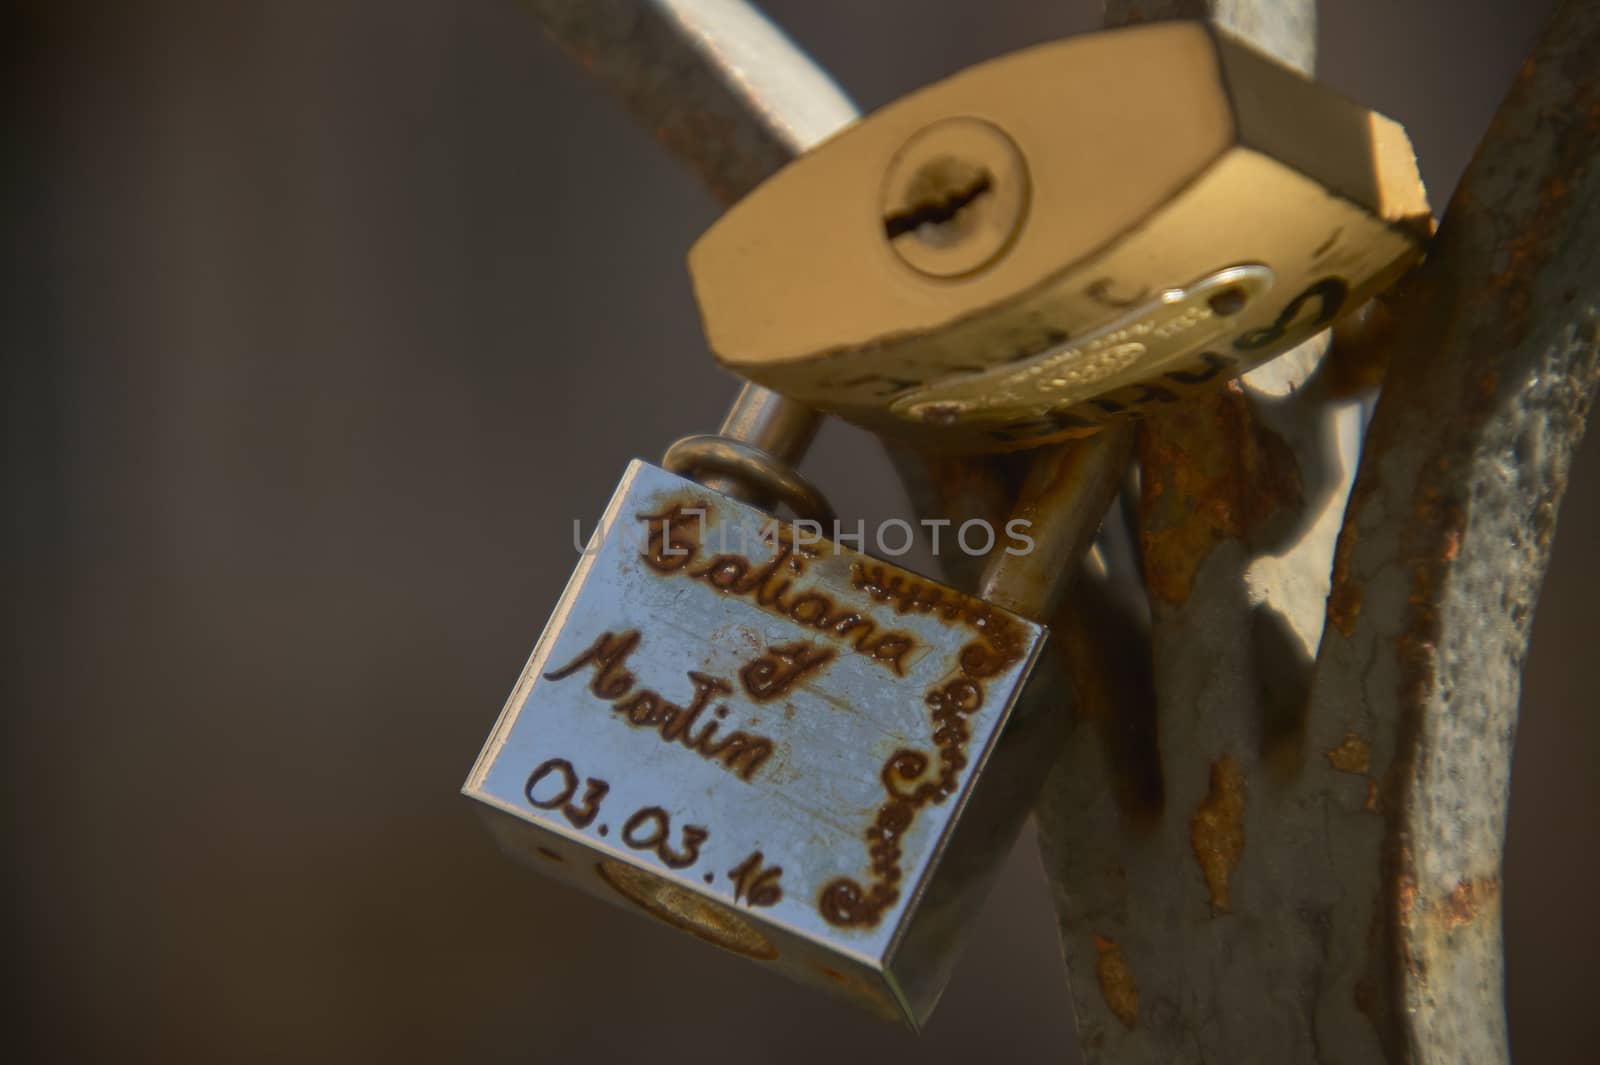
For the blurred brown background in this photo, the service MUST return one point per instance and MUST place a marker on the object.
(326, 319)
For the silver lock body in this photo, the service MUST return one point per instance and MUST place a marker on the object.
(768, 741)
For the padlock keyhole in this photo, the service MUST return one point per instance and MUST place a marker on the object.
(936, 198)
(953, 198)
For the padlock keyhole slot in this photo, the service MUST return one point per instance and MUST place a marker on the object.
(935, 199)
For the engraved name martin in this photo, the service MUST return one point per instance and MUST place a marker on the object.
(741, 753)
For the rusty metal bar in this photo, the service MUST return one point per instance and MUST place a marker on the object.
(1171, 954)
(1225, 829)
(725, 91)
(1444, 548)
(1067, 490)
(1320, 881)
(719, 86)
(1285, 28)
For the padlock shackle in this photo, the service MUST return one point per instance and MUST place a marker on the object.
(752, 473)
(752, 457)
(1067, 492)
(777, 425)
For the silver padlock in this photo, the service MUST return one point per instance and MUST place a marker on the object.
(771, 740)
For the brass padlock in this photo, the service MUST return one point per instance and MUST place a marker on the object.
(1061, 237)
(774, 741)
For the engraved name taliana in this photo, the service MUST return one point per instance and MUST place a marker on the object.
(672, 546)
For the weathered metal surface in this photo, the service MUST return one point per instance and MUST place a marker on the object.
(718, 85)
(1233, 900)
(1059, 508)
(1320, 881)
(1496, 358)
(1285, 28)
(724, 90)
(1145, 839)
(776, 743)
(954, 489)
(1180, 945)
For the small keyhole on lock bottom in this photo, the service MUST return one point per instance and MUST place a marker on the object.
(684, 909)
(937, 196)
(954, 197)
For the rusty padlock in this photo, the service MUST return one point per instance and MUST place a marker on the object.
(1061, 237)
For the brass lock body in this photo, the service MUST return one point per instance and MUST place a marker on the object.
(772, 742)
(1063, 236)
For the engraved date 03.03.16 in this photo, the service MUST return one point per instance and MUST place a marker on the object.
(555, 785)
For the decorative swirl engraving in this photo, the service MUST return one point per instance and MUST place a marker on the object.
(998, 643)
(903, 767)
(1330, 294)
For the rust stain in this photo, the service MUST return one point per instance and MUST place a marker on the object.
(1452, 545)
(1109, 662)
(1353, 755)
(978, 485)
(1345, 596)
(1117, 985)
(1212, 474)
(1362, 348)
(1467, 307)
(1424, 917)
(1216, 831)
(1374, 804)
(1365, 994)
(1467, 901)
(864, 990)
(1406, 887)
(1406, 904)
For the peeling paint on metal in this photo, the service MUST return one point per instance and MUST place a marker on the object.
(1216, 831)
(1117, 985)
(1212, 473)
(1352, 755)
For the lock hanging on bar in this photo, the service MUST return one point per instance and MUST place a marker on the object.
(775, 742)
(814, 758)
(1061, 237)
